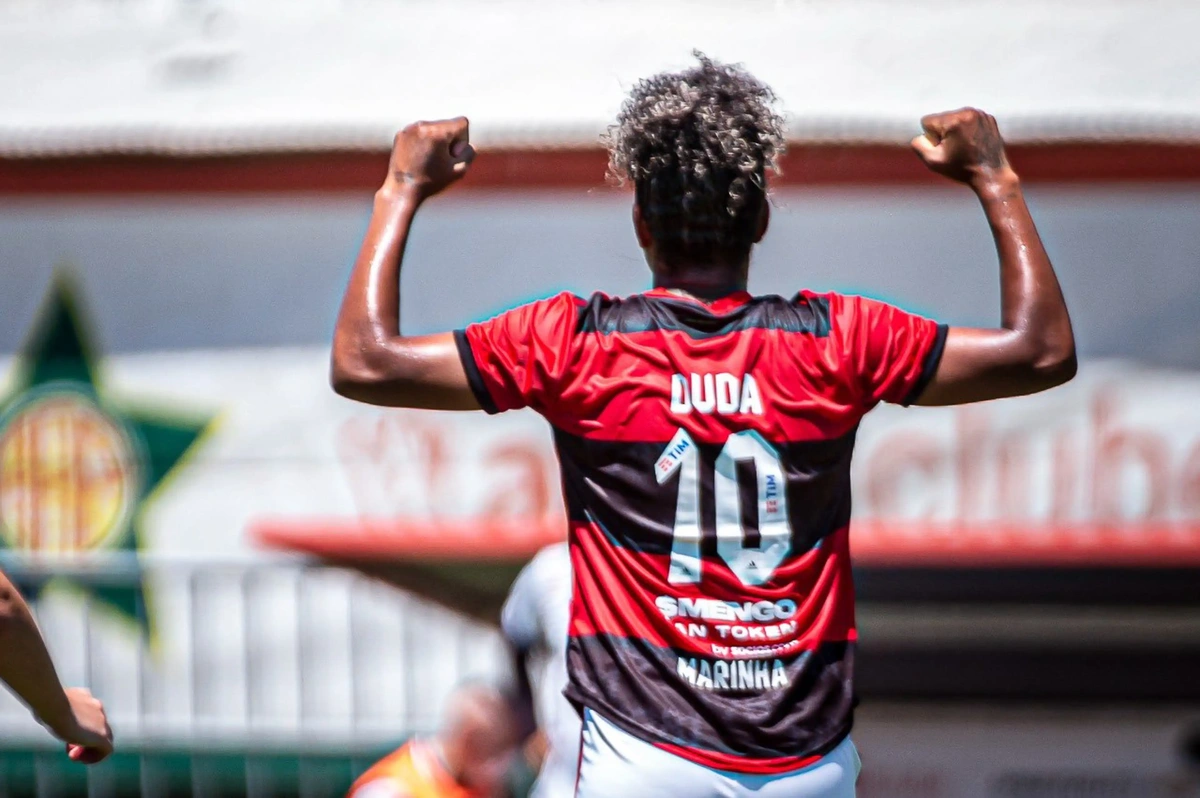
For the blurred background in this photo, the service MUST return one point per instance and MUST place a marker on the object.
(270, 586)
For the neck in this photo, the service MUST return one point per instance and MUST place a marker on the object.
(707, 283)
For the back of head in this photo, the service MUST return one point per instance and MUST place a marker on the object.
(478, 737)
(697, 145)
(475, 709)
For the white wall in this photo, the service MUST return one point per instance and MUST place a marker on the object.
(165, 273)
(209, 74)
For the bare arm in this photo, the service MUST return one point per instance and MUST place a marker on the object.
(74, 716)
(1034, 347)
(372, 361)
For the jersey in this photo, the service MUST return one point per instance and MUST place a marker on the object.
(535, 617)
(411, 771)
(705, 455)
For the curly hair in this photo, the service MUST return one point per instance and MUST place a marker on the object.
(697, 145)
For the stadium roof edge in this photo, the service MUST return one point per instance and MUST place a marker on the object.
(211, 77)
(166, 140)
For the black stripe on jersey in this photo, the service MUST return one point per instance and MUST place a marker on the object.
(474, 378)
(639, 687)
(930, 366)
(613, 484)
(641, 313)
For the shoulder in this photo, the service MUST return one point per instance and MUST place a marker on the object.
(843, 312)
(839, 302)
(553, 555)
(834, 301)
(566, 300)
(603, 313)
(551, 564)
(547, 574)
(564, 303)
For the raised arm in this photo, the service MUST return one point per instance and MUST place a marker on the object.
(73, 715)
(372, 361)
(1033, 348)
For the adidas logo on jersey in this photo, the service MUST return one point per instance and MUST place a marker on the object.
(724, 394)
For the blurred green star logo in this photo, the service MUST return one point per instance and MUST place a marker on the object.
(76, 469)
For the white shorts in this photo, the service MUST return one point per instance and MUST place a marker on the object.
(616, 764)
(557, 776)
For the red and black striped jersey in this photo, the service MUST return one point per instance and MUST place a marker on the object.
(705, 453)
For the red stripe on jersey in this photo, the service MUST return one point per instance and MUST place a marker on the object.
(600, 604)
(819, 361)
(635, 403)
(715, 760)
(623, 593)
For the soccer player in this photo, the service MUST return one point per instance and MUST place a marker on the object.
(468, 758)
(535, 623)
(72, 715)
(705, 434)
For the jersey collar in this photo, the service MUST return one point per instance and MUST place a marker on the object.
(717, 307)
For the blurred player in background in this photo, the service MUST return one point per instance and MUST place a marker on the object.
(535, 623)
(705, 434)
(72, 715)
(469, 757)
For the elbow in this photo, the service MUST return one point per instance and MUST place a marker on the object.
(350, 375)
(352, 384)
(1055, 364)
(343, 383)
(370, 375)
(1062, 370)
(352, 362)
(1043, 354)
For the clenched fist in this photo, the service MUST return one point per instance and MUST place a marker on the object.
(429, 156)
(87, 734)
(964, 145)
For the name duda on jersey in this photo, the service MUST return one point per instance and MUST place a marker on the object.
(722, 393)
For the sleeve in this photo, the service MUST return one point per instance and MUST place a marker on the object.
(890, 354)
(518, 358)
(519, 618)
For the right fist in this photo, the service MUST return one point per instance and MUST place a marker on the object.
(89, 740)
(431, 155)
(963, 145)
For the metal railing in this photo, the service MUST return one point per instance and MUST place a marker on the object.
(264, 656)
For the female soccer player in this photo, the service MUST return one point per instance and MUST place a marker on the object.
(705, 434)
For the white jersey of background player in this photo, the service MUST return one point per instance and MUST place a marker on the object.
(534, 620)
